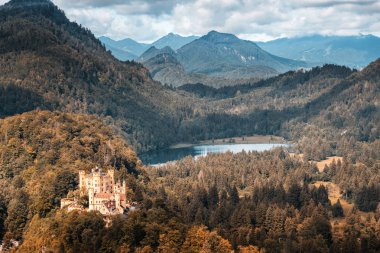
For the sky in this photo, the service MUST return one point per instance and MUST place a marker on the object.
(257, 20)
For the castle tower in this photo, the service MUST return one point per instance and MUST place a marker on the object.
(111, 173)
(117, 200)
(91, 204)
(82, 179)
(124, 187)
(96, 182)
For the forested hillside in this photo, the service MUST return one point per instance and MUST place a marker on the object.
(48, 62)
(276, 201)
(324, 105)
(243, 202)
(41, 153)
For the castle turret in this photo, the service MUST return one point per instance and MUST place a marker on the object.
(111, 173)
(124, 187)
(96, 183)
(117, 200)
(82, 179)
(91, 204)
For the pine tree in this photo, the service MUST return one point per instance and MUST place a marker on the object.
(213, 196)
(337, 210)
(234, 195)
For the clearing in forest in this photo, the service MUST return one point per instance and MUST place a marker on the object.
(328, 161)
(335, 194)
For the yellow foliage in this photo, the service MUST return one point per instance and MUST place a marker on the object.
(199, 239)
(250, 249)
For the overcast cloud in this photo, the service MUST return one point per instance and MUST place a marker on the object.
(147, 20)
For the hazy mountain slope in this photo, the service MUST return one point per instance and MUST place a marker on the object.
(216, 53)
(352, 51)
(153, 52)
(129, 49)
(165, 68)
(217, 60)
(121, 54)
(126, 49)
(58, 65)
(173, 41)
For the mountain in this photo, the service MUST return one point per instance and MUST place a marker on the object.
(164, 66)
(352, 51)
(129, 49)
(173, 41)
(126, 49)
(153, 52)
(217, 53)
(48, 62)
(219, 59)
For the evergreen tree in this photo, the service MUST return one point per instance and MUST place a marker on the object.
(234, 195)
(337, 210)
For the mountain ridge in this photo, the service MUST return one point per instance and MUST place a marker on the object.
(174, 41)
(218, 57)
(353, 51)
(136, 49)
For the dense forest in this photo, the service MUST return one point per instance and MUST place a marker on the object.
(276, 201)
(247, 202)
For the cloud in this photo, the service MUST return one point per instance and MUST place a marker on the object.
(146, 20)
(125, 7)
(324, 3)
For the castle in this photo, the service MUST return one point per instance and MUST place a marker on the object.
(104, 194)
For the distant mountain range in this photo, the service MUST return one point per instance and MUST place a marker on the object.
(221, 59)
(216, 59)
(174, 41)
(218, 54)
(129, 49)
(126, 49)
(351, 51)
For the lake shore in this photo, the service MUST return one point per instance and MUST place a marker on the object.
(254, 139)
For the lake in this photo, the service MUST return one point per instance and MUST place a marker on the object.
(172, 154)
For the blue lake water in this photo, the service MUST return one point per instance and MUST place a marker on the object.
(173, 154)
